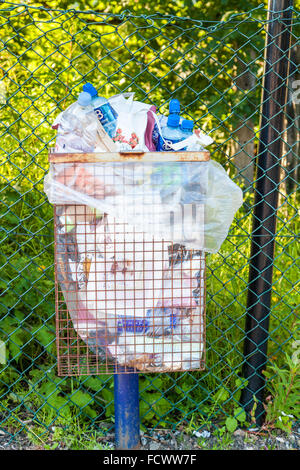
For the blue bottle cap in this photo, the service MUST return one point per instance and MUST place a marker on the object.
(187, 124)
(173, 120)
(174, 106)
(89, 88)
(84, 99)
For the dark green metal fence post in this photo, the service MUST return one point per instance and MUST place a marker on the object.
(274, 98)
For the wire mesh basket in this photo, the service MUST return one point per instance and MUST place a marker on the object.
(126, 300)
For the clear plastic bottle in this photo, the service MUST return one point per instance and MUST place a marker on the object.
(75, 112)
(76, 126)
(186, 127)
(171, 134)
(105, 113)
(160, 321)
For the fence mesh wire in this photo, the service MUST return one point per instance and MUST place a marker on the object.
(215, 69)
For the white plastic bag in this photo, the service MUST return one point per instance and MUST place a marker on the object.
(192, 203)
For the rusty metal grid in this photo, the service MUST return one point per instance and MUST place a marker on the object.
(125, 300)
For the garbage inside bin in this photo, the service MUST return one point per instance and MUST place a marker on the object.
(96, 124)
(131, 235)
(135, 300)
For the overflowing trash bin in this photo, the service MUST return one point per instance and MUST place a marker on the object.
(138, 203)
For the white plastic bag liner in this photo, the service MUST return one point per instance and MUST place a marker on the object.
(191, 203)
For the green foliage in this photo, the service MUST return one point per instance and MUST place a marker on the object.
(68, 434)
(157, 58)
(282, 406)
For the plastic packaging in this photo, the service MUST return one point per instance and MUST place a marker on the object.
(132, 125)
(192, 203)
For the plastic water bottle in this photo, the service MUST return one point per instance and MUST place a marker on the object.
(186, 127)
(159, 321)
(76, 111)
(174, 108)
(171, 134)
(77, 126)
(105, 113)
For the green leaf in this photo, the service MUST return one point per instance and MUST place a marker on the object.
(240, 414)
(90, 412)
(81, 399)
(231, 424)
(221, 395)
(45, 337)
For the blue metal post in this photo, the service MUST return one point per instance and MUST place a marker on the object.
(127, 416)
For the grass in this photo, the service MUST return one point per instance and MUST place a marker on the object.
(69, 435)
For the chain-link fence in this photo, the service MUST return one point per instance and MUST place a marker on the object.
(216, 69)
